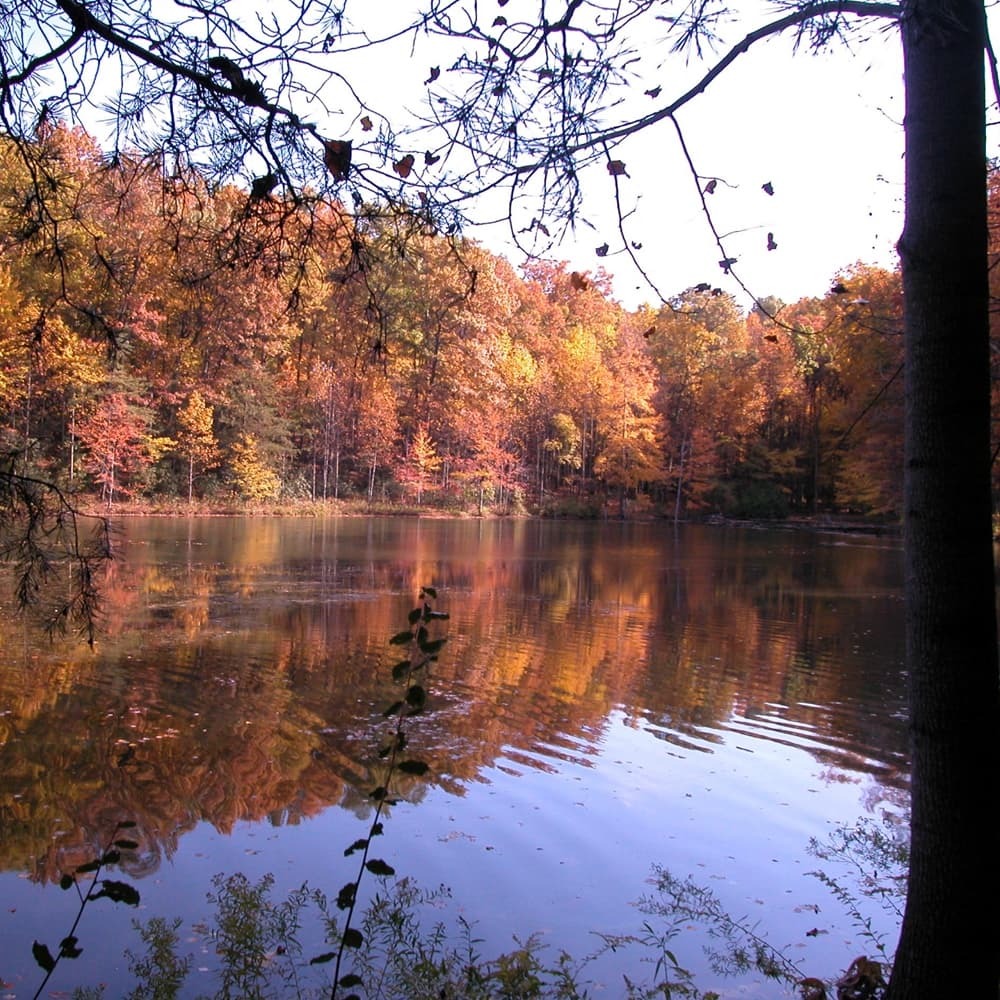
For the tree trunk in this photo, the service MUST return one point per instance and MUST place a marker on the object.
(948, 945)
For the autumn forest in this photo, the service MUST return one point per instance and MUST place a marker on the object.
(160, 342)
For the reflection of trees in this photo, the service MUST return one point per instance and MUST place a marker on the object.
(245, 680)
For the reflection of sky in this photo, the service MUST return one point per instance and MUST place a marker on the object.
(563, 854)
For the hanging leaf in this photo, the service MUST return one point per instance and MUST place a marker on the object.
(649, 333)
(353, 938)
(617, 168)
(69, 947)
(726, 263)
(431, 592)
(839, 289)
(771, 337)
(416, 696)
(349, 980)
(366, 124)
(378, 867)
(358, 845)
(771, 245)
(767, 188)
(43, 956)
(400, 670)
(404, 166)
(710, 186)
(703, 286)
(435, 73)
(430, 159)
(579, 282)
(401, 638)
(127, 845)
(67, 882)
(261, 187)
(499, 22)
(636, 246)
(654, 92)
(337, 157)
(602, 250)
(327, 956)
(345, 898)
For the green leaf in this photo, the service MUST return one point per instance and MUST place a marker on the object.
(353, 938)
(111, 858)
(413, 767)
(401, 638)
(379, 867)
(118, 892)
(88, 866)
(400, 670)
(327, 956)
(345, 898)
(349, 980)
(416, 696)
(358, 845)
(127, 845)
(414, 616)
(67, 882)
(43, 956)
(377, 830)
(434, 646)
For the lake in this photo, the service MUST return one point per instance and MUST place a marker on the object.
(611, 696)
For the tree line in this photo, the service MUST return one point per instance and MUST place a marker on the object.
(145, 355)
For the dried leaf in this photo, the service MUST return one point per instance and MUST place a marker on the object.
(404, 166)
(337, 157)
(839, 289)
(366, 124)
(771, 245)
(710, 186)
(602, 250)
(771, 337)
(726, 263)
(653, 92)
(260, 187)
(616, 168)
(435, 73)
(767, 187)
(430, 159)
(649, 333)
(579, 282)
(499, 22)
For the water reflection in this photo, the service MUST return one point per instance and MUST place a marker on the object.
(244, 667)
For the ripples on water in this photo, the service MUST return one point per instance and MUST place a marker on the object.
(611, 696)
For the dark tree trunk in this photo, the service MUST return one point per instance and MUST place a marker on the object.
(950, 941)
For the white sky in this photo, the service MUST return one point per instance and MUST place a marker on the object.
(825, 130)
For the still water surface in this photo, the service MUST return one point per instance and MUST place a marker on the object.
(611, 696)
